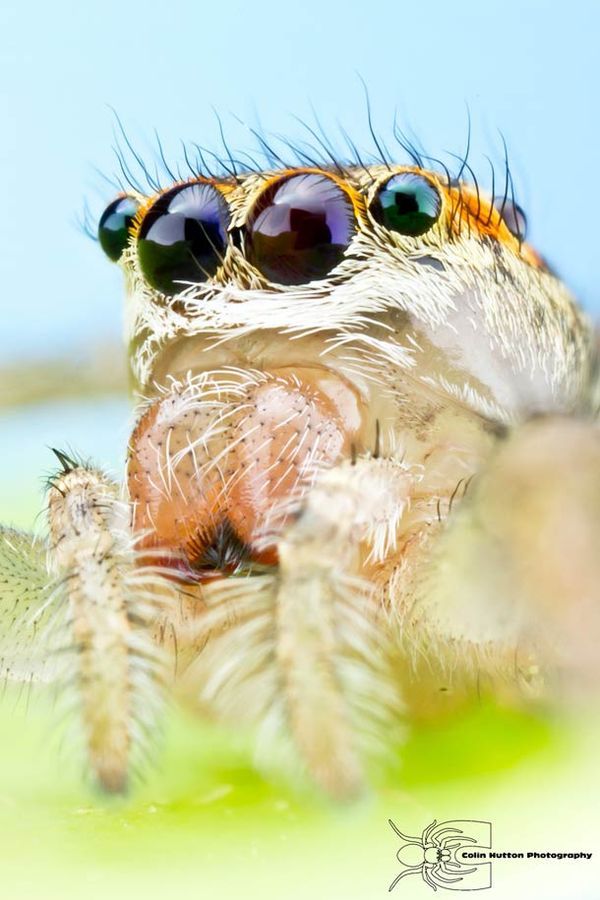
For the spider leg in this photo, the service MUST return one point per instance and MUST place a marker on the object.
(427, 831)
(405, 837)
(463, 840)
(426, 874)
(436, 872)
(412, 870)
(444, 865)
(29, 605)
(512, 584)
(301, 649)
(111, 605)
(326, 646)
(439, 831)
(434, 837)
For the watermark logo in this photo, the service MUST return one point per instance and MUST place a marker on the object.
(437, 855)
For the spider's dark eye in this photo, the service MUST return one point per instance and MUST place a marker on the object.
(300, 228)
(408, 203)
(114, 225)
(513, 216)
(182, 237)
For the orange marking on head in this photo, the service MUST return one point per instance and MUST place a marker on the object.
(470, 211)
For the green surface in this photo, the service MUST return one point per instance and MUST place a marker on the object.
(205, 818)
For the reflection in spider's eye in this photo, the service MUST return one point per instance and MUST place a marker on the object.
(513, 216)
(407, 203)
(114, 225)
(300, 228)
(182, 237)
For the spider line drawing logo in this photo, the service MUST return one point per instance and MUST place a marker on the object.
(435, 855)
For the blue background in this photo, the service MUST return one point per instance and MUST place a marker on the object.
(530, 69)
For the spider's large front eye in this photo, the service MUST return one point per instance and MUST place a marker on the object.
(182, 237)
(408, 203)
(114, 225)
(300, 228)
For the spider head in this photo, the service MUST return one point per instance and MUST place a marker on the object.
(434, 278)
(322, 302)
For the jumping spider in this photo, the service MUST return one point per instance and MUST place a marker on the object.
(364, 474)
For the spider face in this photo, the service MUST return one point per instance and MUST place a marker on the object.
(321, 314)
(271, 259)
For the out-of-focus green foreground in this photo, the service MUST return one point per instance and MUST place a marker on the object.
(206, 823)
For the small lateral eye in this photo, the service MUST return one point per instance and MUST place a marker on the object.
(300, 228)
(114, 225)
(183, 237)
(513, 217)
(408, 203)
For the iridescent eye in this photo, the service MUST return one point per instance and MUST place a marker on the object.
(114, 225)
(513, 216)
(408, 203)
(300, 228)
(183, 236)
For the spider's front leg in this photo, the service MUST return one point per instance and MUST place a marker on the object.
(332, 656)
(115, 665)
(91, 605)
(302, 650)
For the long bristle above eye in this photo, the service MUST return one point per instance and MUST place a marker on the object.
(311, 144)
